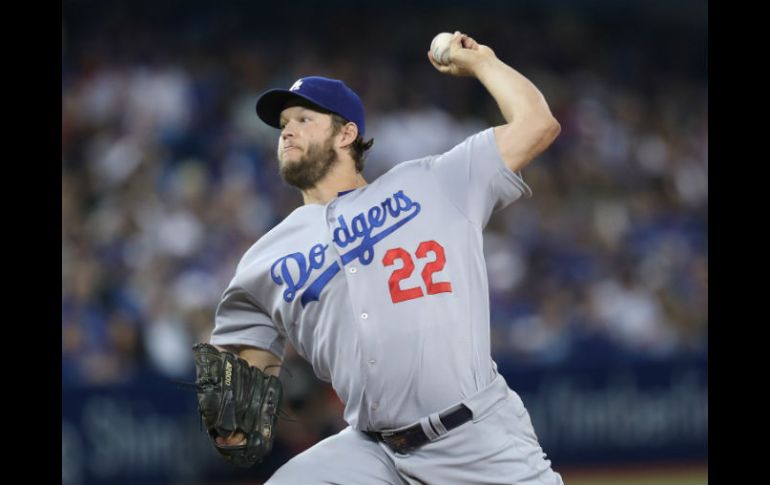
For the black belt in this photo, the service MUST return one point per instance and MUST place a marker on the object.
(413, 437)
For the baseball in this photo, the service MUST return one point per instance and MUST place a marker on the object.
(439, 48)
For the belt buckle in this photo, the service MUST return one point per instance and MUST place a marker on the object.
(397, 442)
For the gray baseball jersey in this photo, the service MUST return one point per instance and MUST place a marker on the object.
(383, 289)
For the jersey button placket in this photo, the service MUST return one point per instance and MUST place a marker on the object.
(370, 354)
(330, 218)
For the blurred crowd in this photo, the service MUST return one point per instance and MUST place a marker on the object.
(168, 177)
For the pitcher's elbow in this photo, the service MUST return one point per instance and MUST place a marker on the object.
(553, 128)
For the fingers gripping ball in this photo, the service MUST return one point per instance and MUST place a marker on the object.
(233, 397)
(439, 47)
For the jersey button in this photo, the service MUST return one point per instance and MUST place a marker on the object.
(364, 316)
(372, 362)
(353, 270)
(375, 405)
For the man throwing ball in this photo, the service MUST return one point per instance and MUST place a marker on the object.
(382, 287)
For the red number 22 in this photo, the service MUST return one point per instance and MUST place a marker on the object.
(398, 294)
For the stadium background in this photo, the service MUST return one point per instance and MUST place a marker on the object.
(598, 283)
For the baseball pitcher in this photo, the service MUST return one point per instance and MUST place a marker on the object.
(382, 287)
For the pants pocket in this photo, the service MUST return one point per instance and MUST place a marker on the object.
(519, 424)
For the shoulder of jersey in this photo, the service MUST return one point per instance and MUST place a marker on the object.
(280, 233)
(398, 169)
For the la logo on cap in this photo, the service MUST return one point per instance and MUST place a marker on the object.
(296, 85)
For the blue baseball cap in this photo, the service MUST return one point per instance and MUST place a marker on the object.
(330, 94)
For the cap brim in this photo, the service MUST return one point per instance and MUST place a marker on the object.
(271, 103)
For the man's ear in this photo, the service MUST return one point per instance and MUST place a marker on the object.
(349, 134)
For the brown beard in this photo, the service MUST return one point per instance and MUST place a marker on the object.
(312, 167)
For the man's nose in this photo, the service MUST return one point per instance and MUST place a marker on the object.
(287, 131)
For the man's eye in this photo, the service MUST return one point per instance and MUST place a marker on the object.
(305, 119)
